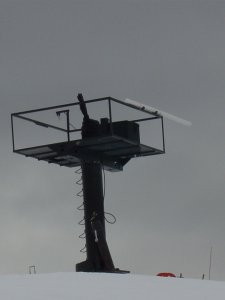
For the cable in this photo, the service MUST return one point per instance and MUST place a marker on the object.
(72, 125)
(107, 213)
(109, 217)
(79, 182)
(113, 218)
(103, 172)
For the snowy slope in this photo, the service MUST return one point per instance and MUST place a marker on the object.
(68, 286)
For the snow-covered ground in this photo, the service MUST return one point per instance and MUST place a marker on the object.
(95, 286)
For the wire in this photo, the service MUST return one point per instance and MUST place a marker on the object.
(84, 249)
(79, 182)
(103, 172)
(72, 125)
(109, 217)
(112, 216)
(113, 221)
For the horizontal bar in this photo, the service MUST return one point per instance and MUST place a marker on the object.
(43, 109)
(146, 119)
(131, 106)
(57, 106)
(40, 123)
(75, 130)
(97, 100)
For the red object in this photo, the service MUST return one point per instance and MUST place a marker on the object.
(166, 275)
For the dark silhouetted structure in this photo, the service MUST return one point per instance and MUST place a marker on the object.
(104, 144)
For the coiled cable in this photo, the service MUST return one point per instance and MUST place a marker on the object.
(79, 182)
(109, 217)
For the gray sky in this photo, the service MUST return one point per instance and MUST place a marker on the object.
(169, 54)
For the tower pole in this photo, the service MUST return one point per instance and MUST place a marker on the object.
(98, 255)
(93, 209)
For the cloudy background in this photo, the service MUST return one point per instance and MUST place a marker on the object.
(170, 208)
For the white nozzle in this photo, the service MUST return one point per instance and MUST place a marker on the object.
(153, 110)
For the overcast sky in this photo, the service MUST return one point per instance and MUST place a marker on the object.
(169, 54)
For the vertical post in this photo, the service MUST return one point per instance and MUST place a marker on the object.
(12, 127)
(163, 136)
(67, 113)
(210, 262)
(68, 124)
(98, 255)
(93, 207)
(93, 202)
(32, 270)
(110, 116)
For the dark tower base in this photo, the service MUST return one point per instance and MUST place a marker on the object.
(98, 255)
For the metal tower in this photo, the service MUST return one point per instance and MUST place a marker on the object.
(104, 144)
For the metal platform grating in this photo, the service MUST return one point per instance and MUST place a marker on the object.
(110, 150)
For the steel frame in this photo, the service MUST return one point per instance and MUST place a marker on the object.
(68, 131)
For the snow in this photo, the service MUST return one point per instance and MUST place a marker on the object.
(80, 286)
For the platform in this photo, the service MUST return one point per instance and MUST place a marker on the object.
(116, 140)
(112, 151)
